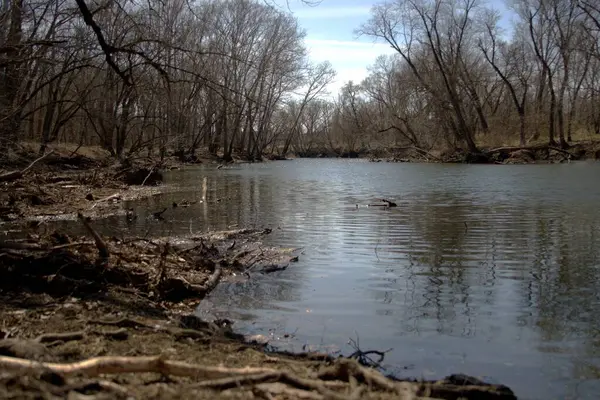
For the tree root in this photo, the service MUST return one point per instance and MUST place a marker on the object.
(124, 365)
(341, 381)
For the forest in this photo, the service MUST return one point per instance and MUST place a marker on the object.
(234, 78)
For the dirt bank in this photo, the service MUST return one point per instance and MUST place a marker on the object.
(58, 185)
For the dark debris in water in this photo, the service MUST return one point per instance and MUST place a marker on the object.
(172, 269)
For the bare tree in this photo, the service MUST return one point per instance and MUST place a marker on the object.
(439, 31)
(510, 62)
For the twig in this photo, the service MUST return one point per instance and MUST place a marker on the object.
(363, 356)
(148, 176)
(64, 337)
(112, 196)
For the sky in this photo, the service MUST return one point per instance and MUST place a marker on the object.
(330, 36)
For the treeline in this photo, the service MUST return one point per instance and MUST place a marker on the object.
(152, 76)
(458, 80)
(233, 77)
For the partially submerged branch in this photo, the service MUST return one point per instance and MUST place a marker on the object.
(102, 248)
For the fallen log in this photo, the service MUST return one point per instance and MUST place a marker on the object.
(14, 175)
(529, 148)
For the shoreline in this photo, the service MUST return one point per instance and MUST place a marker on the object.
(503, 155)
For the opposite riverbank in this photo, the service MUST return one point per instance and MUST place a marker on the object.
(532, 154)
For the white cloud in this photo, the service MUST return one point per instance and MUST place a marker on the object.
(320, 12)
(345, 52)
(350, 59)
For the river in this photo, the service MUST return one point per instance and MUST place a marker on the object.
(487, 270)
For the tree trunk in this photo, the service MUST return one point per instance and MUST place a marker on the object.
(10, 110)
(551, 117)
(522, 126)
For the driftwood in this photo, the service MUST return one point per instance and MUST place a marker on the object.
(530, 148)
(386, 203)
(14, 175)
(102, 248)
(112, 196)
(425, 153)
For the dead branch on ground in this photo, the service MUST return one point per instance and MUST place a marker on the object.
(14, 175)
(125, 365)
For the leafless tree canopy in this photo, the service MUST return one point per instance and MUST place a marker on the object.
(459, 80)
(233, 77)
(458, 77)
(151, 76)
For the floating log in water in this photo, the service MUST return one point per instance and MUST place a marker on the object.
(386, 203)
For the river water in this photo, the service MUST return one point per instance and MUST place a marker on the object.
(488, 270)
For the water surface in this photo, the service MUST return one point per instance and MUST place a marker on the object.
(487, 270)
